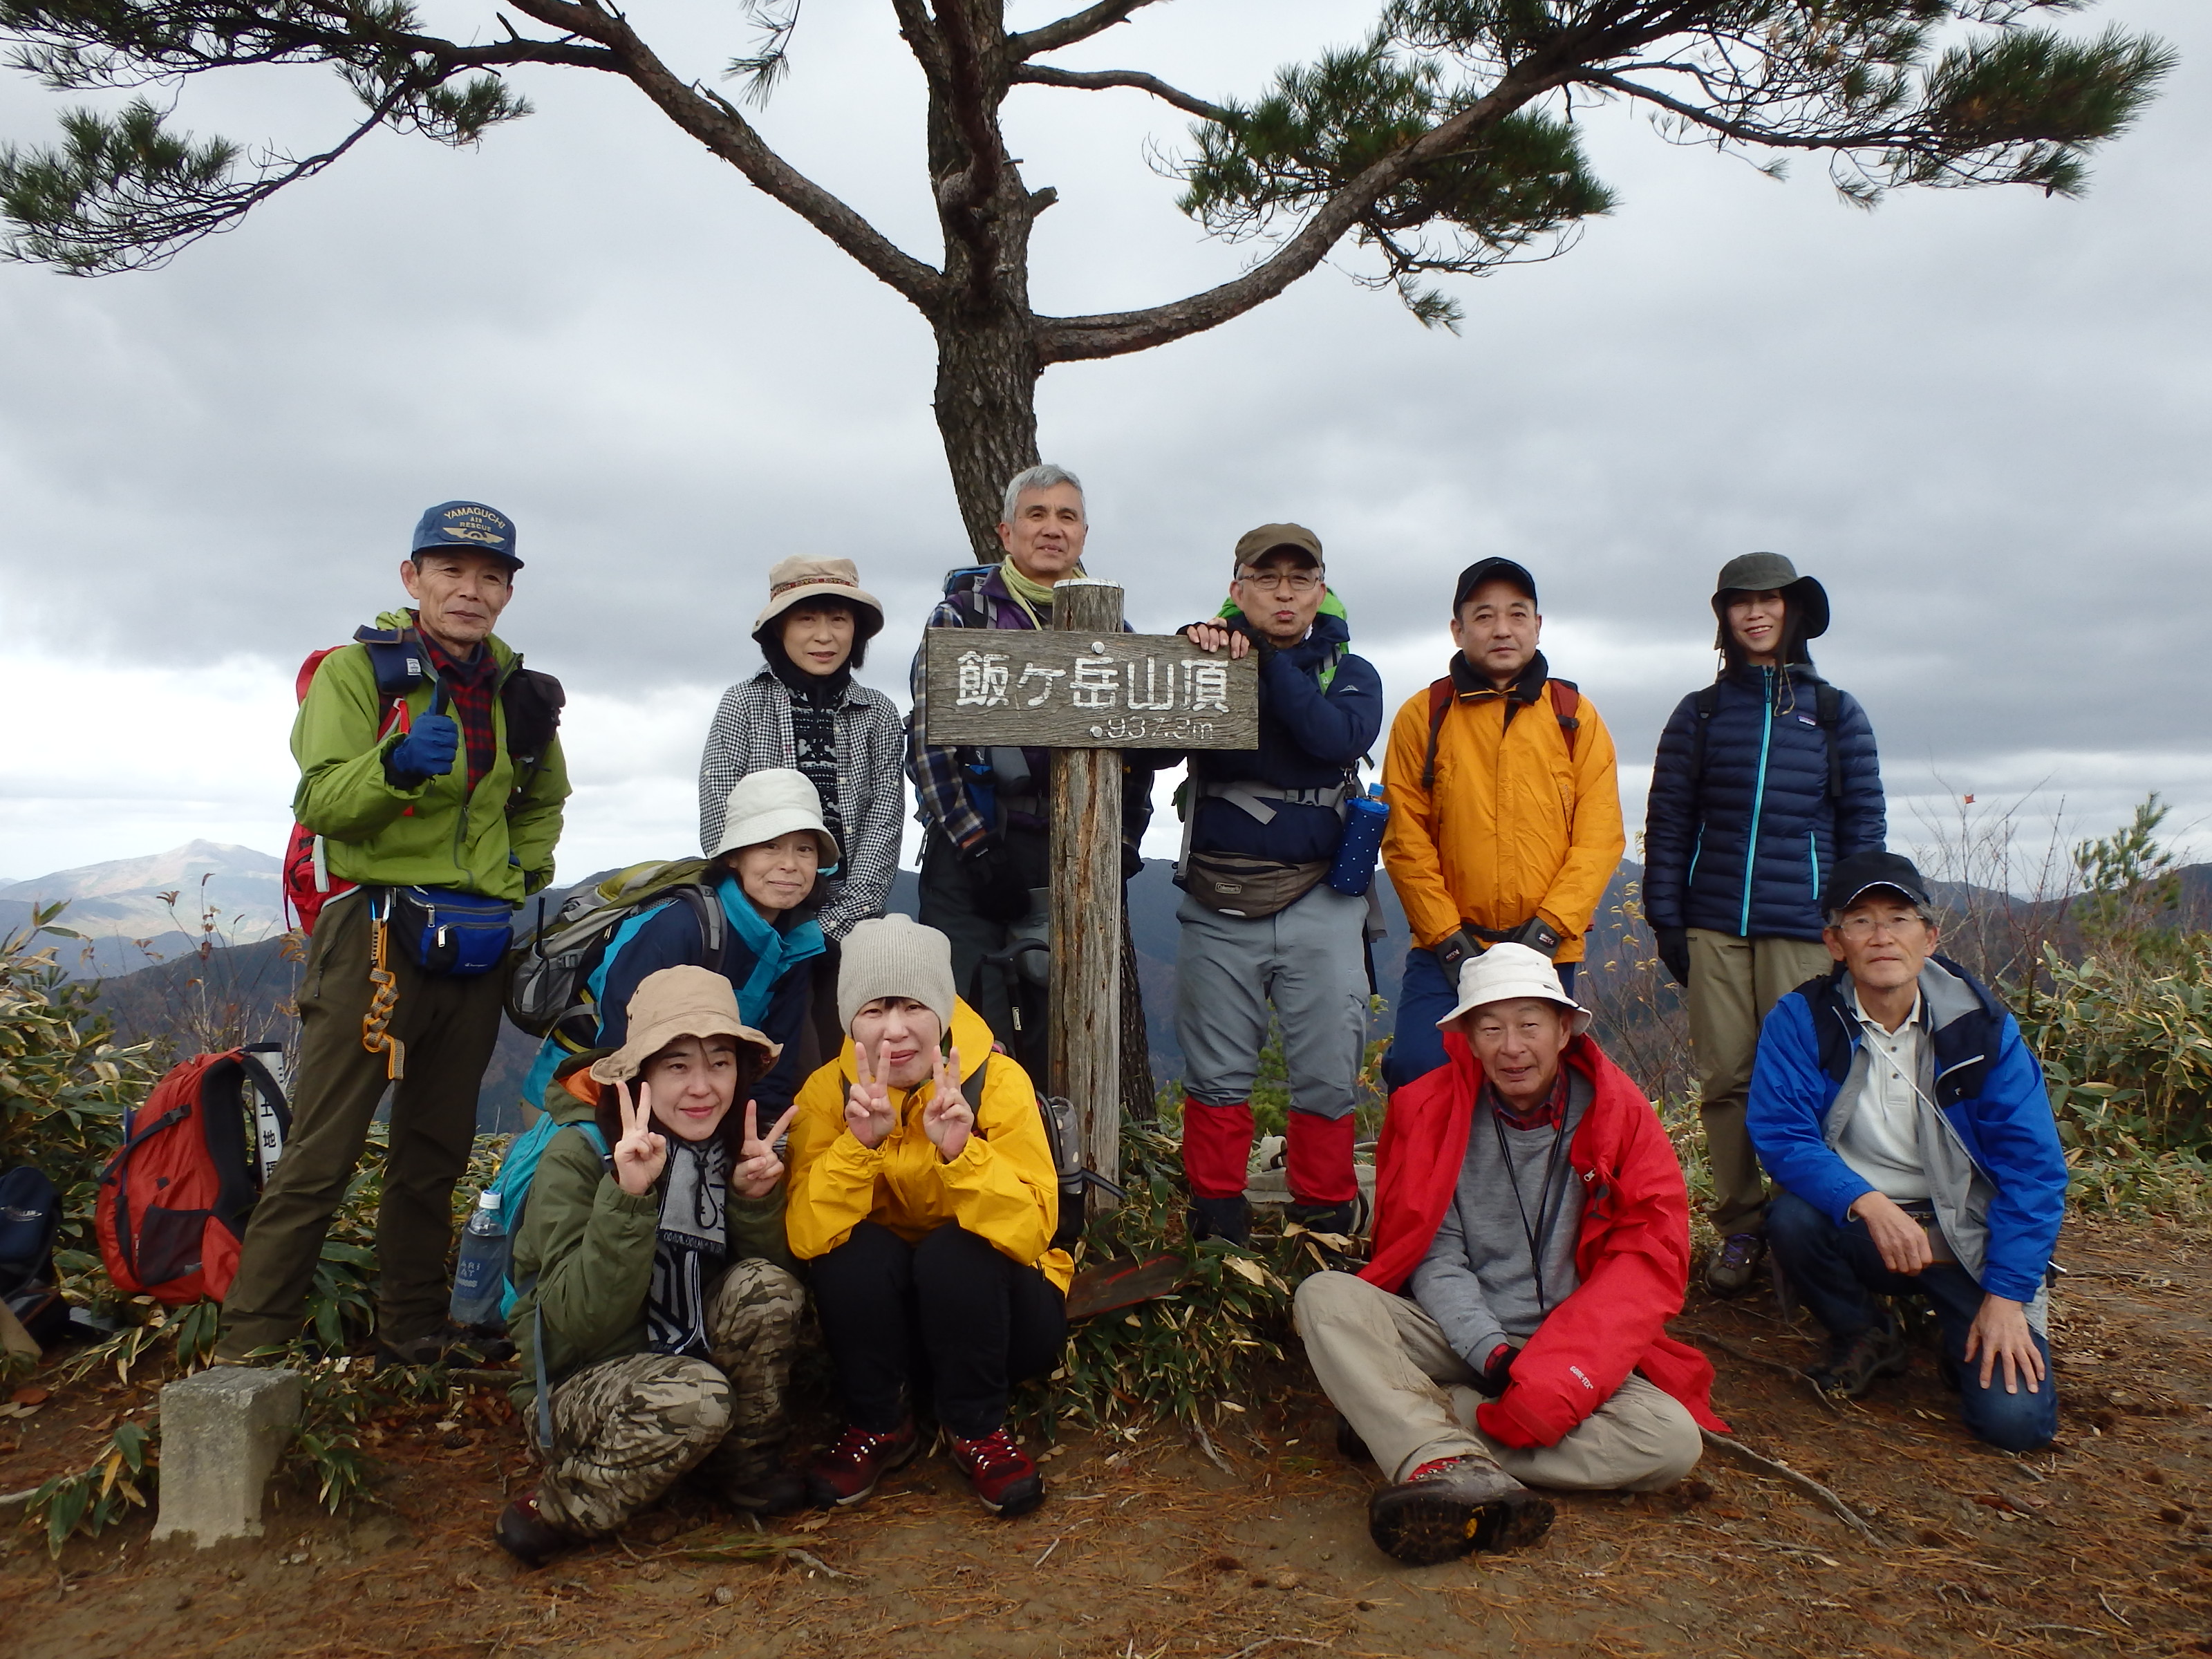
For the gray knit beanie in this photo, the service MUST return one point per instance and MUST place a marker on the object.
(895, 956)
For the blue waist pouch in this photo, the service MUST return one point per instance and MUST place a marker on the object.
(454, 934)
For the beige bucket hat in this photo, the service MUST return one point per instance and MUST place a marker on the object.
(801, 577)
(772, 803)
(678, 1002)
(1504, 973)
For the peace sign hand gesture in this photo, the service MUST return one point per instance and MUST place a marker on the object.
(868, 1111)
(641, 1155)
(758, 1169)
(947, 1120)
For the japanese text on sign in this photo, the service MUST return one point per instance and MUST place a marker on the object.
(1067, 690)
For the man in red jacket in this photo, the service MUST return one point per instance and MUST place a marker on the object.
(1532, 1239)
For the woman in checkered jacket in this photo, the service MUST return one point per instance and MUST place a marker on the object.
(804, 710)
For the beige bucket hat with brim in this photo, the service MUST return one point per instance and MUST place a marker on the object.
(675, 1003)
(801, 577)
(1505, 973)
(770, 804)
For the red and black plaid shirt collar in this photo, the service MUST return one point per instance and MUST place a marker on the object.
(1543, 1116)
(471, 688)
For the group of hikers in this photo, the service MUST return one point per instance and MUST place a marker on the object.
(780, 1092)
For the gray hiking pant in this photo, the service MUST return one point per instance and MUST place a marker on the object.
(1310, 962)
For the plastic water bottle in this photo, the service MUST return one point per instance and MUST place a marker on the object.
(1353, 871)
(483, 1265)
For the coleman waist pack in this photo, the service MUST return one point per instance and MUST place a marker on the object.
(1235, 884)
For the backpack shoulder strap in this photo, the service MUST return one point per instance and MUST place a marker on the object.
(1707, 700)
(1828, 710)
(1442, 695)
(707, 910)
(1566, 706)
(396, 656)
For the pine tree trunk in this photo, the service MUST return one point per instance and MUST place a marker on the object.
(986, 378)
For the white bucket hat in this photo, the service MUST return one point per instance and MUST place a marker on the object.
(802, 577)
(768, 805)
(1504, 973)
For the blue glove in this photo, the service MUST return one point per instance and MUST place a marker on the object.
(427, 752)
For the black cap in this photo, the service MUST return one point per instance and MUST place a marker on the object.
(1493, 570)
(1862, 872)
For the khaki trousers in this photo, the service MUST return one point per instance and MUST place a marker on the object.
(1386, 1365)
(1732, 983)
(449, 1026)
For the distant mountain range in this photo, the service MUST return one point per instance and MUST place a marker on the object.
(135, 911)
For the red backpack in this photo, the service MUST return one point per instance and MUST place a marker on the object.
(174, 1200)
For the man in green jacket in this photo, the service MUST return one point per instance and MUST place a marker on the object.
(446, 787)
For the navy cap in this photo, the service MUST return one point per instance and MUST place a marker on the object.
(1862, 872)
(469, 527)
(1493, 570)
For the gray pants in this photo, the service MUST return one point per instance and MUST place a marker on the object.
(1386, 1365)
(1732, 983)
(1310, 962)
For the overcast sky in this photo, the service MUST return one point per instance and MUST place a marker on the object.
(1979, 417)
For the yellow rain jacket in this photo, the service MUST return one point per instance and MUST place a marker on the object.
(1515, 826)
(1002, 1187)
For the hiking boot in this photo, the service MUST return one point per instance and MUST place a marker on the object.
(448, 1344)
(1452, 1506)
(528, 1536)
(1002, 1474)
(847, 1472)
(1345, 1220)
(1730, 1269)
(1348, 1443)
(1229, 1219)
(771, 1489)
(1854, 1362)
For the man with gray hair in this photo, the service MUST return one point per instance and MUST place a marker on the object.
(984, 866)
(1907, 1121)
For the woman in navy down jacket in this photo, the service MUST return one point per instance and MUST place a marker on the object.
(1763, 779)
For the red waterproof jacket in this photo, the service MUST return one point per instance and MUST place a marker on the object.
(1633, 1255)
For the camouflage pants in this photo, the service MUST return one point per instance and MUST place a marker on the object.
(628, 1430)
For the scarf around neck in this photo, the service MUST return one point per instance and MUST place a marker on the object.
(775, 950)
(1036, 598)
(689, 1245)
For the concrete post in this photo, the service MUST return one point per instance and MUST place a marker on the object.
(223, 1434)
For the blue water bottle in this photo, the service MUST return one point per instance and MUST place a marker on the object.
(479, 1274)
(1353, 871)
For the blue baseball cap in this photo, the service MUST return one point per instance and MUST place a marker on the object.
(466, 526)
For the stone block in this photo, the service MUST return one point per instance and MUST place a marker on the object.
(223, 1434)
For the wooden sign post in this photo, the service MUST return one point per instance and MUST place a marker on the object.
(1086, 690)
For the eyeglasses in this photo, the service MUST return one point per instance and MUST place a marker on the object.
(1274, 581)
(1866, 926)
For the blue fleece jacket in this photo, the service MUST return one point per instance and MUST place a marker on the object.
(2002, 1204)
(1309, 738)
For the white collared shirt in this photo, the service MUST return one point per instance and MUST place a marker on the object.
(1881, 1140)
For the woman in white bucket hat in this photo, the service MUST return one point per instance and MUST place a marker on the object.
(803, 710)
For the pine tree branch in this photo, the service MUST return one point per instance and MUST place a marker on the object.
(1750, 133)
(1113, 334)
(1044, 75)
(715, 123)
(1077, 25)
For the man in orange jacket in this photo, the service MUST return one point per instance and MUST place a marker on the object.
(1505, 811)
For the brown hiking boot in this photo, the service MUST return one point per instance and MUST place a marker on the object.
(1451, 1506)
(1730, 1269)
(1854, 1363)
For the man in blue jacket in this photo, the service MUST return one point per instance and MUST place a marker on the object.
(1907, 1124)
(1763, 779)
(1260, 923)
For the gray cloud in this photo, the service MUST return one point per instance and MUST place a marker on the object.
(1977, 418)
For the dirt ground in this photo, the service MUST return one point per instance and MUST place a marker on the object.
(1145, 1548)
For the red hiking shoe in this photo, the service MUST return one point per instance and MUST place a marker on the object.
(1002, 1474)
(847, 1472)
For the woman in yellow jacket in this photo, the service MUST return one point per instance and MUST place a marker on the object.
(923, 1201)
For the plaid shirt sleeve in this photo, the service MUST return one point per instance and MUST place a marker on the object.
(941, 799)
(870, 749)
(751, 733)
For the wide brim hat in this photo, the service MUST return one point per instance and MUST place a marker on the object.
(1758, 573)
(676, 1003)
(768, 805)
(1505, 973)
(799, 577)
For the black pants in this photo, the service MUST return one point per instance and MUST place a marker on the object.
(948, 904)
(976, 1321)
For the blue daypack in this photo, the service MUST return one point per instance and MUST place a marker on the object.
(517, 1171)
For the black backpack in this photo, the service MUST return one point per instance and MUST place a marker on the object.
(30, 1220)
(1827, 709)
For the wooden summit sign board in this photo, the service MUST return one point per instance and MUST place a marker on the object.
(1085, 690)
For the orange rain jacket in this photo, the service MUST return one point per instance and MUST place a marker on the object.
(1002, 1187)
(1515, 826)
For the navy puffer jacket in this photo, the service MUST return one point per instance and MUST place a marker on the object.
(1744, 849)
